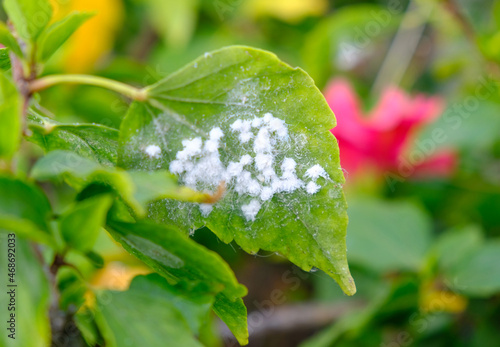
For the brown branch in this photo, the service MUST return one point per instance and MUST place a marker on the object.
(454, 9)
(288, 318)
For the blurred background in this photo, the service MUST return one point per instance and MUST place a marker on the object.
(415, 89)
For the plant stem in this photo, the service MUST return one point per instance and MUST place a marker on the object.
(122, 88)
(403, 47)
(454, 9)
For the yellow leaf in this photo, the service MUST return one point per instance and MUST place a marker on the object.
(96, 37)
(117, 276)
(440, 300)
(291, 11)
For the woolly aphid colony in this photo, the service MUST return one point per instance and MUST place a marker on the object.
(199, 163)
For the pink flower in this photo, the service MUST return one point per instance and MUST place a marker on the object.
(382, 141)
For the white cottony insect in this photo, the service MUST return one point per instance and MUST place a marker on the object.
(288, 168)
(266, 194)
(153, 151)
(191, 149)
(262, 143)
(245, 137)
(256, 122)
(316, 172)
(254, 174)
(246, 160)
(263, 161)
(205, 209)
(312, 188)
(251, 210)
(216, 134)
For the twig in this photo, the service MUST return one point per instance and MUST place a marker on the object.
(296, 317)
(467, 28)
(454, 9)
(402, 48)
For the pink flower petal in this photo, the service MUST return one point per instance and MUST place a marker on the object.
(380, 139)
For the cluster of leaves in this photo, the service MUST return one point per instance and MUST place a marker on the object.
(404, 271)
(173, 305)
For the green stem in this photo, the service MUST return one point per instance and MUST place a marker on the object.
(122, 88)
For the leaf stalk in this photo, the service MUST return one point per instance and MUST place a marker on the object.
(138, 94)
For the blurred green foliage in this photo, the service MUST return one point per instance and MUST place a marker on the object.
(425, 254)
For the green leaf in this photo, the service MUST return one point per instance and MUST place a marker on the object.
(24, 228)
(93, 141)
(387, 236)
(30, 17)
(144, 315)
(234, 314)
(57, 34)
(137, 189)
(10, 117)
(25, 210)
(180, 259)
(456, 246)
(496, 14)
(354, 321)
(176, 257)
(244, 83)
(95, 259)
(32, 298)
(86, 323)
(4, 59)
(340, 41)
(80, 226)
(175, 21)
(478, 275)
(194, 303)
(457, 130)
(72, 288)
(9, 41)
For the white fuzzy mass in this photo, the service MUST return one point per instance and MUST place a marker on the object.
(316, 172)
(312, 188)
(199, 164)
(250, 211)
(205, 209)
(153, 151)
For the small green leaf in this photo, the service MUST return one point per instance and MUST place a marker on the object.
(95, 258)
(30, 17)
(456, 246)
(496, 14)
(137, 189)
(212, 93)
(80, 226)
(387, 236)
(92, 141)
(234, 314)
(478, 274)
(176, 257)
(193, 302)
(86, 323)
(180, 259)
(32, 298)
(9, 41)
(4, 59)
(72, 288)
(25, 210)
(144, 315)
(339, 42)
(57, 33)
(10, 117)
(174, 21)
(24, 228)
